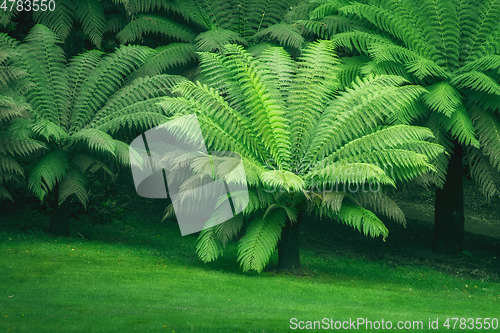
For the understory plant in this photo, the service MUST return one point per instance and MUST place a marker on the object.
(452, 49)
(309, 144)
(74, 108)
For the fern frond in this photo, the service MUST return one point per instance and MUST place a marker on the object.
(60, 20)
(6, 17)
(115, 22)
(157, 25)
(95, 140)
(260, 241)
(105, 80)
(12, 144)
(212, 240)
(443, 30)
(214, 40)
(442, 97)
(10, 108)
(44, 62)
(483, 64)
(399, 164)
(480, 24)
(283, 180)
(144, 6)
(350, 68)
(477, 81)
(390, 137)
(259, 14)
(139, 90)
(218, 14)
(283, 33)
(49, 131)
(74, 183)
(209, 247)
(371, 101)
(280, 68)
(86, 163)
(481, 170)
(346, 173)
(326, 201)
(379, 203)
(460, 126)
(311, 91)
(8, 165)
(4, 194)
(488, 131)
(260, 99)
(139, 119)
(80, 67)
(167, 57)
(388, 21)
(211, 104)
(420, 66)
(362, 220)
(326, 8)
(90, 14)
(51, 169)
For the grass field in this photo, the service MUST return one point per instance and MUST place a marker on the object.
(137, 274)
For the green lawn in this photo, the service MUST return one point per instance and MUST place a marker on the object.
(137, 275)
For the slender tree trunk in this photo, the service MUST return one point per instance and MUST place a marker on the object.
(59, 221)
(289, 246)
(449, 208)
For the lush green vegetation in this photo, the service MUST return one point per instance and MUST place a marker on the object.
(300, 134)
(138, 274)
(317, 97)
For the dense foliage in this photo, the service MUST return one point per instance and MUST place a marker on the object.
(303, 139)
(452, 49)
(303, 119)
(74, 108)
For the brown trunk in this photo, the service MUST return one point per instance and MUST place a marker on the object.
(449, 208)
(59, 221)
(289, 246)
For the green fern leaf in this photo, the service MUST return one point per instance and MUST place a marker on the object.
(49, 171)
(167, 57)
(74, 183)
(363, 220)
(260, 240)
(90, 14)
(215, 39)
(157, 25)
(461, 127)
(443, 98)
(483, 173)
(60, 20)
(283, 33)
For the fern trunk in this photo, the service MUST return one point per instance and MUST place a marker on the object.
(59, 221)
(289, 246)
(449, 208)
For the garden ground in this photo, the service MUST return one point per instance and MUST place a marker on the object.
(135, 273)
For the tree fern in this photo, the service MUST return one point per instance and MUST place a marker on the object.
(451, 48)
(88, 13)
(205, 26)
(13, 144)
(304, 141)
(76, 106)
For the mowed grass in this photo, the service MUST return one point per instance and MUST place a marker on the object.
(141, 275)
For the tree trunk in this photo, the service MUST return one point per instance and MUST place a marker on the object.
(59, 221)
(449, 208)
(289, 247)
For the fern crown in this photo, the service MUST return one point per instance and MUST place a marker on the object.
(451, 48)
(299, 133)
